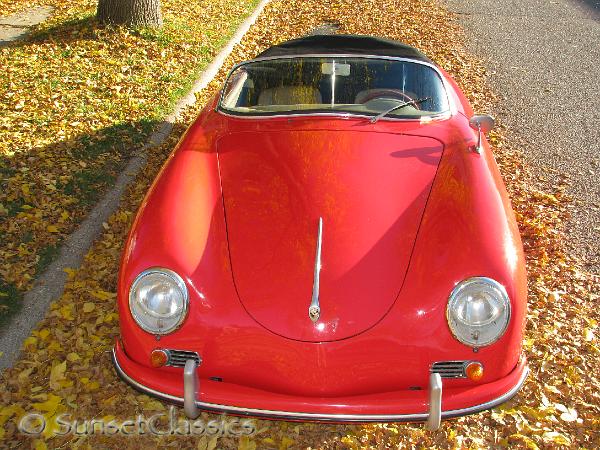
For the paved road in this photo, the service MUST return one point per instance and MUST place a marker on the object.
(544, 56)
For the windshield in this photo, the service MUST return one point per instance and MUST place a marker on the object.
(364, 86)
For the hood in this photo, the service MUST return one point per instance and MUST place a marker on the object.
(369, 189)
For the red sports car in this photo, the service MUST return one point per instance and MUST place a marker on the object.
(331, 240)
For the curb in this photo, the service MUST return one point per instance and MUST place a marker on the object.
(50, 285)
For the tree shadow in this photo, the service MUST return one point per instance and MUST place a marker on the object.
(76, 30)
(100, 157)
(65, 32)
(87, 28)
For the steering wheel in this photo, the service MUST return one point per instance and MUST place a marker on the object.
(388, 93)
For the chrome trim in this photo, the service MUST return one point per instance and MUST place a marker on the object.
(479, 146)
(448, 369)
(451, 105)
(292, 415)
(475, 122)
(342, 115)
(180, 283)
(505, 296)
(435, 402)
(177, 357)
(314, 310)
(337, 55)
(451, 366)
(190, 389)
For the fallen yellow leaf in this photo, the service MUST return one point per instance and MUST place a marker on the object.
(50, 405)
(72, 357)
(57, 374)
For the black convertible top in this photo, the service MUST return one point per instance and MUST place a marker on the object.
(347, 44)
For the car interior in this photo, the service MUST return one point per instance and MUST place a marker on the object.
(354, 85)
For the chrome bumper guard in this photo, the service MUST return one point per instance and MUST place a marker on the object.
(190, 391)
(434, 418)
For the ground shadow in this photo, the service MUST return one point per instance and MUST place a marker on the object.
(67, 32)
(81, 29)
(101, 155)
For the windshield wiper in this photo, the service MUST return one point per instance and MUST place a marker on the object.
(401, 105)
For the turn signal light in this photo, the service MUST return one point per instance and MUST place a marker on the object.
(474, 371)
(158, 358)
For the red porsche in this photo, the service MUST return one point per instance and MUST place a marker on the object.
(331, 240)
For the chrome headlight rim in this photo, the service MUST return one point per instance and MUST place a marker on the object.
(452, 298)
(174, 276)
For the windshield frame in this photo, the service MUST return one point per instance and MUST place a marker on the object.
(450, 111)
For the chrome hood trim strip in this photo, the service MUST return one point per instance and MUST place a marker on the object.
(292, 415)
(314, 310)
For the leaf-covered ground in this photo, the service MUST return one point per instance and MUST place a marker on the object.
(78, 98)
(66, 366)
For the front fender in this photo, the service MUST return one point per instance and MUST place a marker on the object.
(181, 226)
(468, 229)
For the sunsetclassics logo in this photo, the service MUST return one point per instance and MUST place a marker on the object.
(160, 424)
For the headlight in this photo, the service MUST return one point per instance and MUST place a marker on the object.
(158, 300)
(478, 311)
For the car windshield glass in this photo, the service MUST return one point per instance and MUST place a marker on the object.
(363, 86)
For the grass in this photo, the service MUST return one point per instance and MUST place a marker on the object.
(13, 207)
(47, 255)
(87, 185)
(10, 301)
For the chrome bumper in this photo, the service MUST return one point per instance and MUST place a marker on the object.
(432, 418)
(190, 391)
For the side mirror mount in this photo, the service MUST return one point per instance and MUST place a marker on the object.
(483, 123)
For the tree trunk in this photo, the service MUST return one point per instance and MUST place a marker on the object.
(132, 13)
